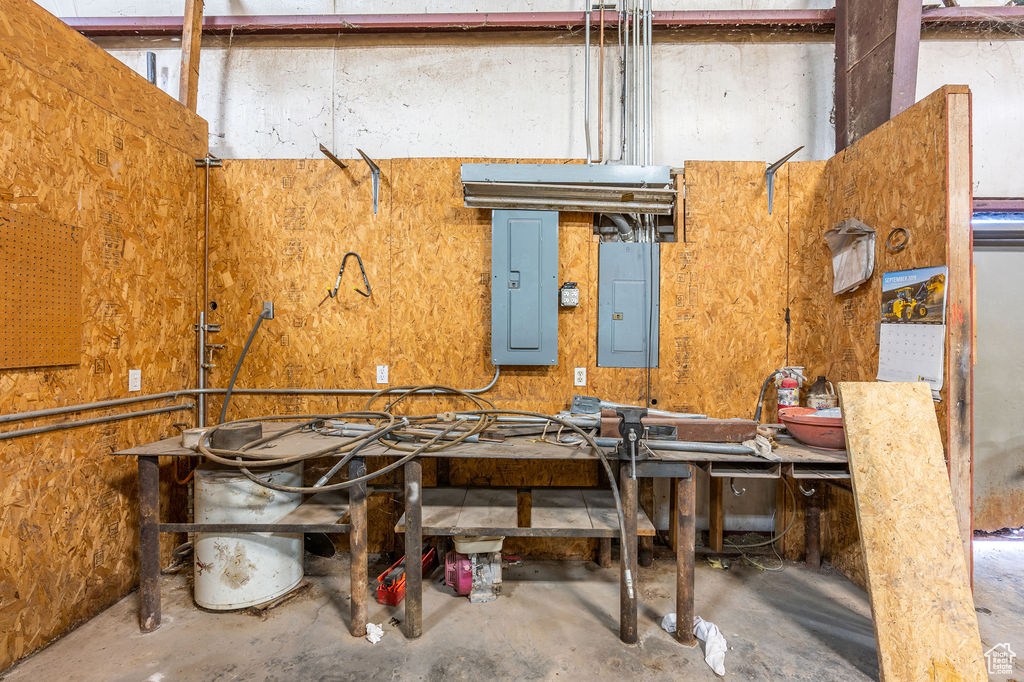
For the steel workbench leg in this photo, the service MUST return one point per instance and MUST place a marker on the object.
(357, 544)
(812, 529)
(149, 543)
(413, 549)
(686, 495)
(627, 605)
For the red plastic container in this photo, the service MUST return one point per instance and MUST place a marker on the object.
(392, 592)
(819, 432)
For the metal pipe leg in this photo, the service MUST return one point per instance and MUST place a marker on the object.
(812, 530)
(628, 606)
(413, 549)
(686, 495)
(149, 543)
(358, 554)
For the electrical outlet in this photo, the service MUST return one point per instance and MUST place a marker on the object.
(382, 374)
(580, 377)
(135, 380)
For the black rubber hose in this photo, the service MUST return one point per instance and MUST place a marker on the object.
(760, 398)
(238, 366)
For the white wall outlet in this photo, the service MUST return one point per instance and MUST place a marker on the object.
(135, 380)
(580, 376)
(382, 374)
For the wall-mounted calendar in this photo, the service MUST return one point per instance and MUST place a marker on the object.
(913, 331)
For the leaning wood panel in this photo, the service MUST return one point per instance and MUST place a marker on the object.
(40, 291)
(921, 602)
(68, 526)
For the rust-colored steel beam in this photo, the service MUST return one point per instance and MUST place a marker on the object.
(807, 21)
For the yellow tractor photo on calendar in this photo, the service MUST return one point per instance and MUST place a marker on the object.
(915, 296)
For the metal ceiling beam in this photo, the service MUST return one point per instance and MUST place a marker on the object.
(877, 45)
(804, 21)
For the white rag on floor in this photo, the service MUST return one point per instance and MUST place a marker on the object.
(374, 633)
(709, 634)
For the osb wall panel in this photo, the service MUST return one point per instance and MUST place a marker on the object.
(279, 229)
(895, 176)
(42, 43)
(68, 526)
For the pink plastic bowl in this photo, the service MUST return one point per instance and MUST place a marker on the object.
(819, 432)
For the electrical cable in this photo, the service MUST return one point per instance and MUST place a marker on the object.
(234, 375)
(247, 457)
(760, 397)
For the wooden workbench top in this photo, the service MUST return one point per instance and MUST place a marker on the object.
(522, 447)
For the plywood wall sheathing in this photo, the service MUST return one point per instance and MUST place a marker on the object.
(45, 45)
(279, 231)
(921, 601)
(899, 175)
(68, 527)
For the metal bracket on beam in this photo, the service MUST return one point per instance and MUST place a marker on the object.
(209, 161)
(375, 172)
(327, 152)
(770, 175)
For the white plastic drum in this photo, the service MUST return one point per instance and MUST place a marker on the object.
(236, 570)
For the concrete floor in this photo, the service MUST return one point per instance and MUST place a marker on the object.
(555, 620)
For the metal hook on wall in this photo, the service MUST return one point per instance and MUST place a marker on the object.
(805, 493)
(331, 293)
(732, 485)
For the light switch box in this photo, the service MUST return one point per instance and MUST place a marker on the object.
(135, 380)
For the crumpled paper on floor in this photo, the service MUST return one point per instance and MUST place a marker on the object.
(709, 635)
(374, 633)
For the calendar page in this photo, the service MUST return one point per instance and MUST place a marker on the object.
(913, 331)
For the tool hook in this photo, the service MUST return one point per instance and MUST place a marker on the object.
(732, 485)
(805, 493)
(332, 293)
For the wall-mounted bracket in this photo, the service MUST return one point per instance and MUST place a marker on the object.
(327, 152)
(769, 175)
(375, 172)
(209, 161)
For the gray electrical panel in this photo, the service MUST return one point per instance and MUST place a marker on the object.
(628, 290)
(524, 287)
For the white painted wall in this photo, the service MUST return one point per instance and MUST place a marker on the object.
(278, 99)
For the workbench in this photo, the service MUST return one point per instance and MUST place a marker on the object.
(537, 512)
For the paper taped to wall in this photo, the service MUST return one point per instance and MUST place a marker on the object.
(912, 337)
(853, 254)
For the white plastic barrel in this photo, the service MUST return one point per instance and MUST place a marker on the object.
(236, 570)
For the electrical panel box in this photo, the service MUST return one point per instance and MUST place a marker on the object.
(628, 293)
(524, 287)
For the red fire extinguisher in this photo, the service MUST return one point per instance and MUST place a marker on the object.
(789, 392)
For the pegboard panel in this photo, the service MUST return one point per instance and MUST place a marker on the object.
(40, 291)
